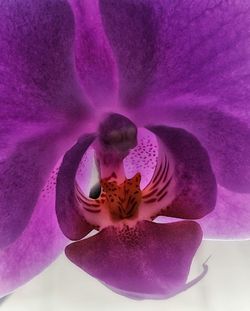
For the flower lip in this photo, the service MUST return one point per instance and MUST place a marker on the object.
(148, 261)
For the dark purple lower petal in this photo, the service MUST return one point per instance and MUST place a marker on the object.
(190, 189)
(38, 245)
(148, 261)
(72, 224)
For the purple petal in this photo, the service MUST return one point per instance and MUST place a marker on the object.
(94, 57)
(37, 67)
(230, 219)
(227, 139)
(72, 224)
(170, 49)
(41, 105)
(132, 33)
(191, 187)
(148, 261)
(38, 245)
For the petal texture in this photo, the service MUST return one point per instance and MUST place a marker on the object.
(172, 49)
(41, 103)
(37, 64)
(191, 186)
(93, 55)
(147, 261)
(230, 218)
(38, 245)
(72, 224)
(131, 30)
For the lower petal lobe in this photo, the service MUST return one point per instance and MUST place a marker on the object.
(147, 261)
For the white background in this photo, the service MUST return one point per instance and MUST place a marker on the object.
(64, 287)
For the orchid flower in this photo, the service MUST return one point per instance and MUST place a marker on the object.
(154, 95)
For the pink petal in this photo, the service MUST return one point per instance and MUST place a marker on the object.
(148, 261)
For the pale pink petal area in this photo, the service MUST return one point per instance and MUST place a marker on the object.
(146, 261)
(143, 157)
(230, 220)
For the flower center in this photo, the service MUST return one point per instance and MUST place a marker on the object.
(116, 199)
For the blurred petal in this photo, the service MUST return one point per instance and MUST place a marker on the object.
(94, 58)
(36, 247)
(72, 224)
(147, 261)
(230, 219)
(41, 103)
(191, 186)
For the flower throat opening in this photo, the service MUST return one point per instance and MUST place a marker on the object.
(122, 200)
